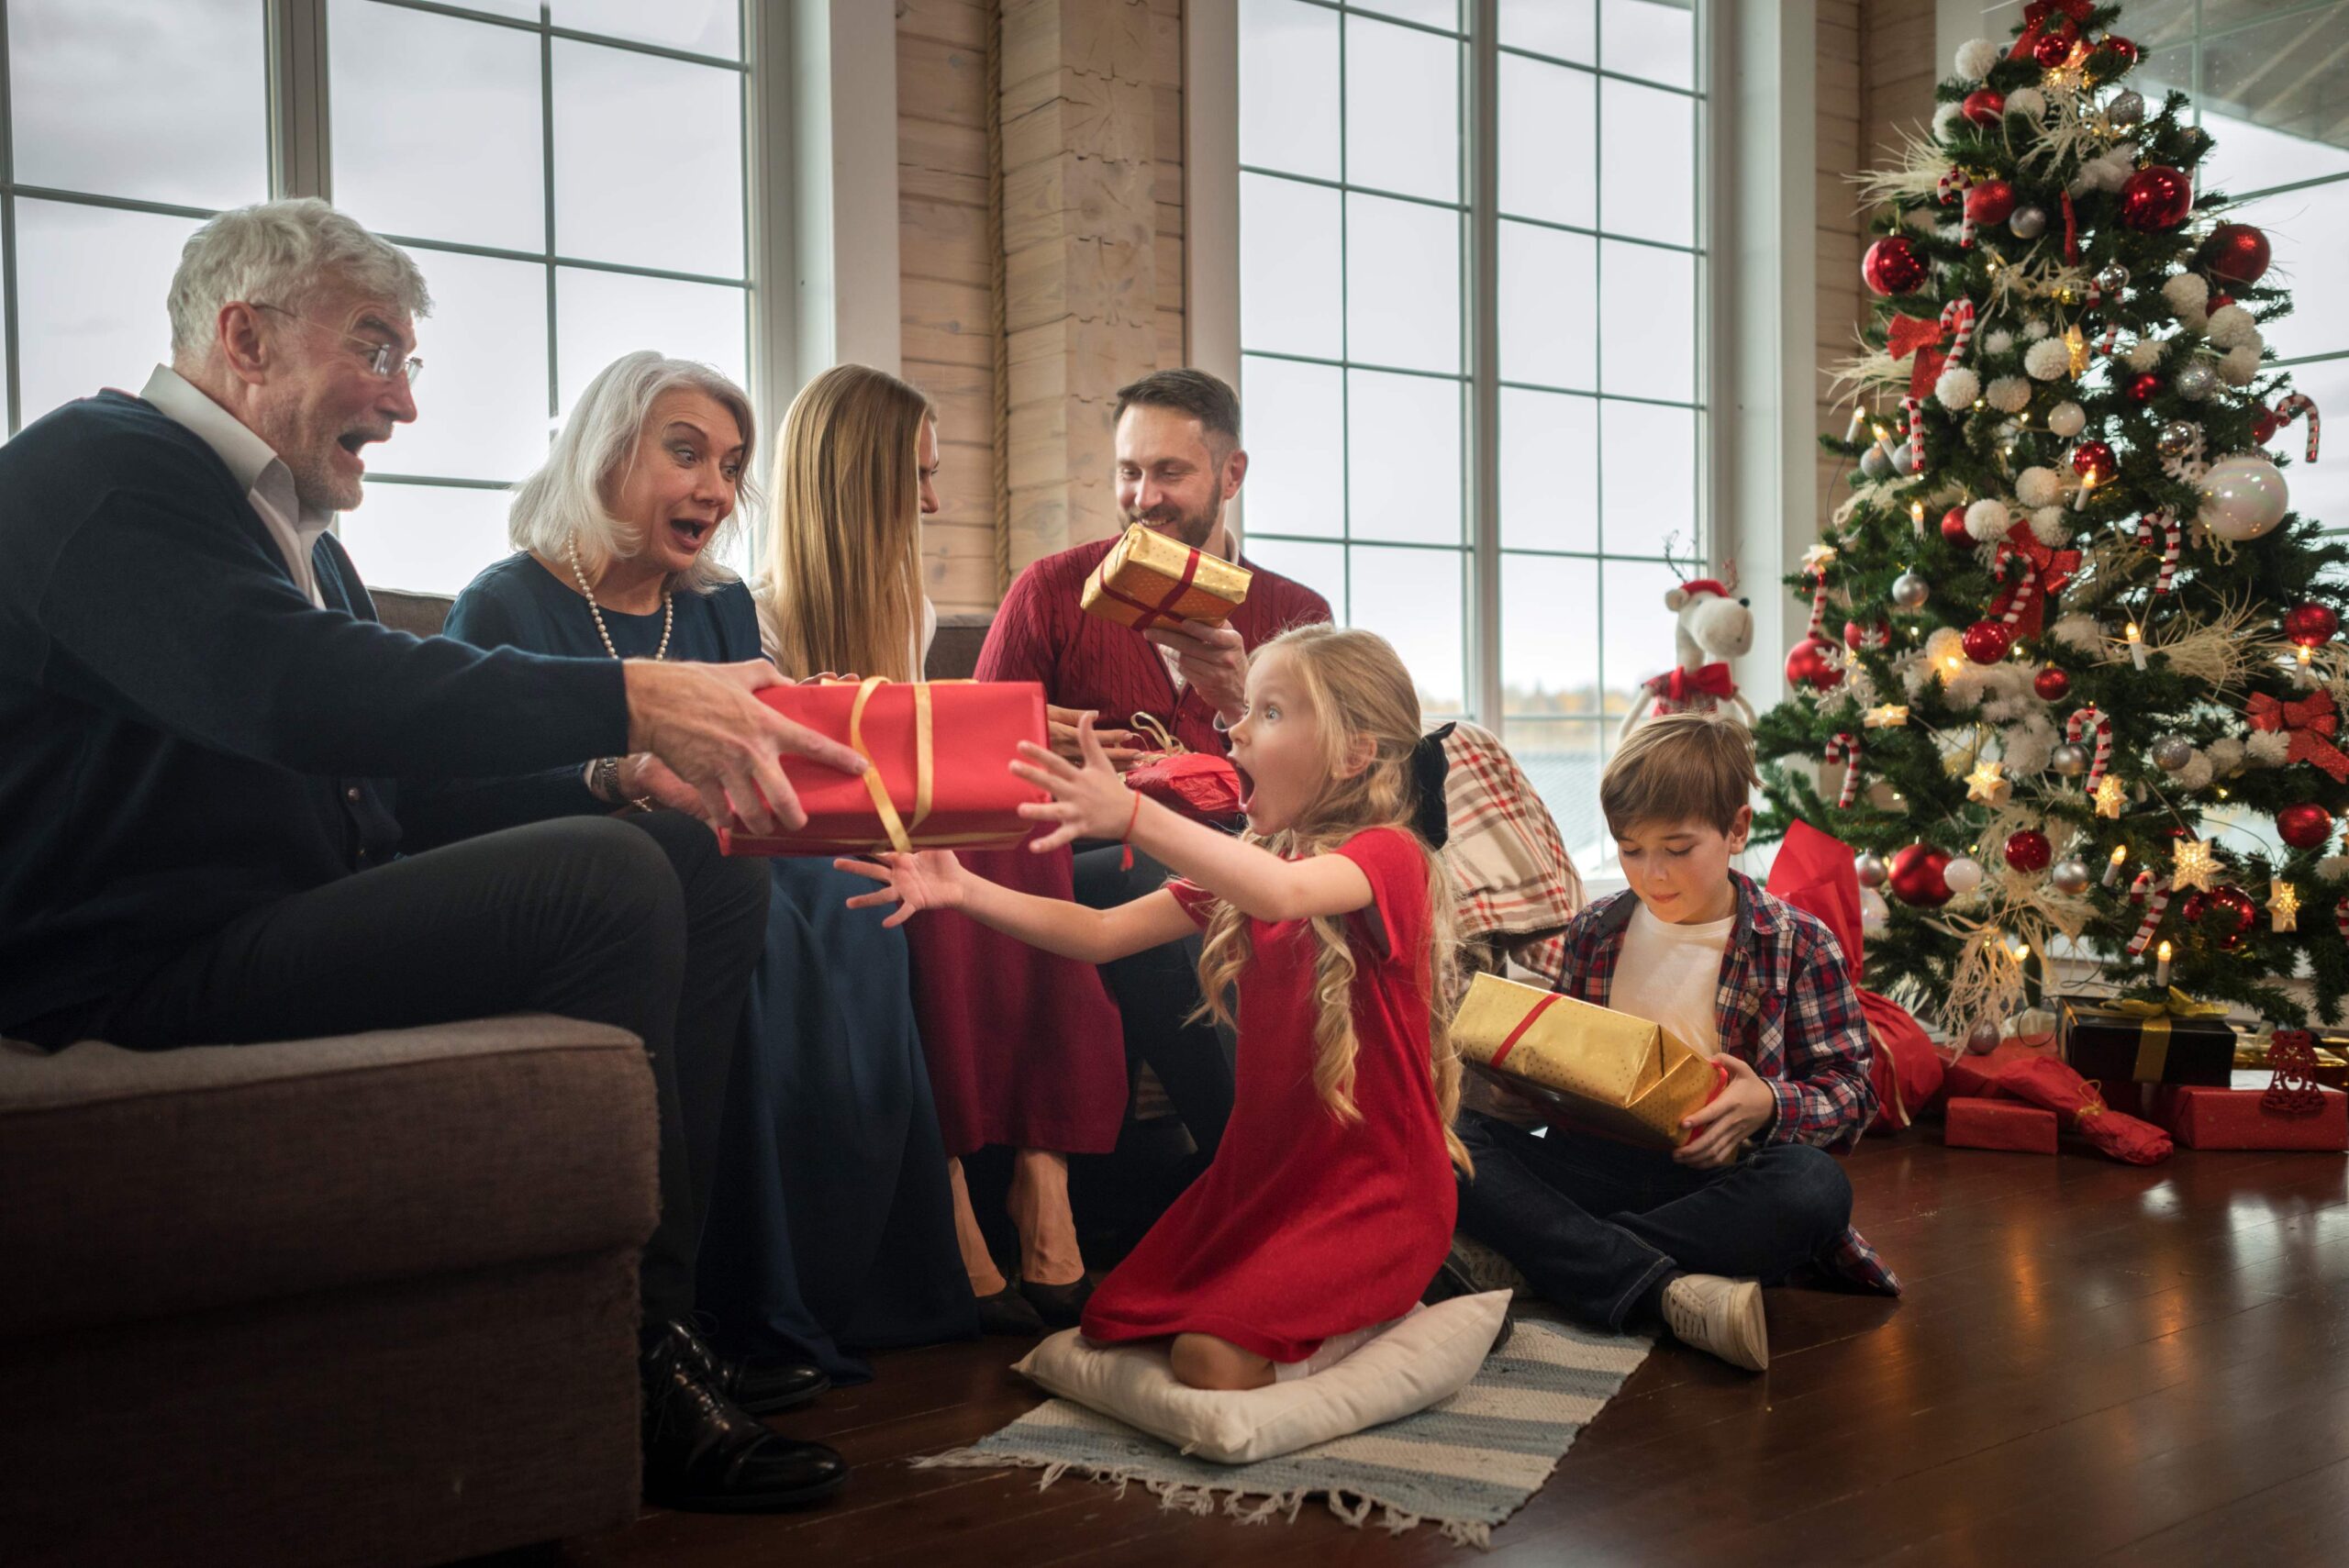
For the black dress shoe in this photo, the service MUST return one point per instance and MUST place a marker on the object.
(1060, 1305)
(705, 1453)
(761, 1387)
(1008, 1312)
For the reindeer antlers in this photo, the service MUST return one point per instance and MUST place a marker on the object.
(1693, 567)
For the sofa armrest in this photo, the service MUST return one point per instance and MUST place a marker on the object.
(140, 1184)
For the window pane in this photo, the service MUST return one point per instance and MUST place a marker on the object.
(1549, 167)
(2276, 74)
(1549, 654)
(2162, 21)
(482, 411)
(2318, 490)
(1562, 759)
(426, 539)
(1403, 456)
(163, 100)
(623, 192)
(1434, 13)
(1402, 284)
(437, 127)
(1649, 348)
(2306, 231)
(601, 316)
(1402, 110)
(1549, 470)
(1654, 38)
(1647, 176)
(703, 26)
(93, 282)
(1411, 597)
(1562, 28)
(1290, 283)
(1320, 567)
(1647, 476)
(1549, 302)
(1288, 87)
(1637, 630)
(1294, 435)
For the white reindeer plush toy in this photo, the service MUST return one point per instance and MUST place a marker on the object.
(1712, 628)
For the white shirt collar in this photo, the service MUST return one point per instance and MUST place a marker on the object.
(253, 463)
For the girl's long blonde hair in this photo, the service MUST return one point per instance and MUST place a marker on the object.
(842, 587)
(1359, 691)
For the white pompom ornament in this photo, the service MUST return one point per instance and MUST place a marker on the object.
(2080, 633)
(1957, 389)
(2146, 355)
(2047, 359)
(2028, 102)
(1976, 57)
(2230, 326)
(1997, 342)
(1988, 519)
(2052, 526)
(2240, 367)
(2037, 487)
(2067, 419)
(2035, 329)
(2187, 294)
(2008, 393)
(1945, 119)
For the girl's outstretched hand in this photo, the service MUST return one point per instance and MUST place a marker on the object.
(1088, 801)
(927, 879)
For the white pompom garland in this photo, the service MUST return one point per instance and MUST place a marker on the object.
(2047, 359)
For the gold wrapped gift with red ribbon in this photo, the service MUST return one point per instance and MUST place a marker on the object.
(1589, 1068)
(1151, 579)
(941, 778)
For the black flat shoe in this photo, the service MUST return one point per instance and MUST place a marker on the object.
(1060, 1305)
(705, 1453)
(762, 1387)
(1008, 1312)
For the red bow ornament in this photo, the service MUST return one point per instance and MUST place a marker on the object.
(2051, 569)
(1677, 686)
(2039, 13)
(1921, 336)
(2311, 723)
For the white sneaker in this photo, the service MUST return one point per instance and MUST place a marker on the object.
(1720, 1317)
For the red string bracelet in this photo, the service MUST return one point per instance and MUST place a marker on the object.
(1126, 861)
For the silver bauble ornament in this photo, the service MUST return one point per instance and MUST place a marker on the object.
(1904, 459)
(1983, 1038)
(2113, 278)
(2171, 753)
(1874, 464)
(1909, 592)
(2176, 439)
(2068, 877)
(2068, 760)
(1871, 868)
(2194, 380)
(2028, 222)
(2126, 109)
(2067, 419)
(2243, 498)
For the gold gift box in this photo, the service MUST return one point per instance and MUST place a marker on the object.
(1597, 1068)
(1148, 579)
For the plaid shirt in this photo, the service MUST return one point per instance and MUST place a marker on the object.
(1515, 886)
(1786, 1008)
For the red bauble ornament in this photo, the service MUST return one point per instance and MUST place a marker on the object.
(2236, 252)
(1984, 107)
(1992, 201)
(2056, 41)
(2264, 425)
(2122, 48)
(1892, 266)
(2227, 909)
(1987, 641)
(2304, 825)
(2311, 626)
(1917, 876)
(2094, 461)
(1953, 528)
(1812, 664)
(2029, 849)
(2157, 198)
(2144, 388)
(1856, 636)
(2051, 684)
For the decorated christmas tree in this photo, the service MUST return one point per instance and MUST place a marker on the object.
(2073, 664)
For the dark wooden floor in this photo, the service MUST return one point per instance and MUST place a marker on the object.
(2094, 1363)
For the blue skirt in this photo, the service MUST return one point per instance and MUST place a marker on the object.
(831, 1226)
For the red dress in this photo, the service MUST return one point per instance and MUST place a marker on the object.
(1307, 1226)
(1026, 1049)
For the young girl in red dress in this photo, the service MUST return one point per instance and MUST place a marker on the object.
(1329, 1204)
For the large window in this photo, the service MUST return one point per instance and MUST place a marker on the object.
(2268, 83)
(1472, 253)
(569, 175)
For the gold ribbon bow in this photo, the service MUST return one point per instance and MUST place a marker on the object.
(2091, 1102)
(2152, 1038)
(900, 833)
(1150, 725)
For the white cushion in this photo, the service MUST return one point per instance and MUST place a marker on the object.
(1428, 1356)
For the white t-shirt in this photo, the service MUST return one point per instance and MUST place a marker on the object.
(1670, 974)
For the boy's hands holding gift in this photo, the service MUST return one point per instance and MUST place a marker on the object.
(927, 879)
(1719, 1128)
(1088, 801)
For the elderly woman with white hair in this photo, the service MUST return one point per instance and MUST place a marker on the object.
(830, 1220)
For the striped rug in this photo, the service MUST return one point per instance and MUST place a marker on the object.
(1463, 1465)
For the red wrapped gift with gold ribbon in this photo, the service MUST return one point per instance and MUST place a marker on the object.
(1999, 1124)
(941, 753)
(1151, 579)
(2203, 1117)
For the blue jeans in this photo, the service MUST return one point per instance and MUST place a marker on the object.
(1595, 1226)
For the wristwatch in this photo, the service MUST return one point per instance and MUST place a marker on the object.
(604, 783)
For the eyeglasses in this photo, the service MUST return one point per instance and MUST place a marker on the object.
(383, 359)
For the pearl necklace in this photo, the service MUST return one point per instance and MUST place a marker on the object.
(668, 605)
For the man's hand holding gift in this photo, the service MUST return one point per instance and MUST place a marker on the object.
(1213, 659)
(1719, 1129)
(1061, 728)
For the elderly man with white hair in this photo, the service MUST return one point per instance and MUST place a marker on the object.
(197, 836)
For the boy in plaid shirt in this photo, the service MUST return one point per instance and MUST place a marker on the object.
(1620, 1236)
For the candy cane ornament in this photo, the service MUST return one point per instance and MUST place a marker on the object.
(2172, 537)
(1844, 747)
(1914, 408)
(2075, 725)
(2341, 918)
(1952, 186)
(1957, 319)
(2153, 907)
(1817, 603)
(2291, 408)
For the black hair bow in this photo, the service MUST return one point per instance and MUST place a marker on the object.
(1429, 766)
